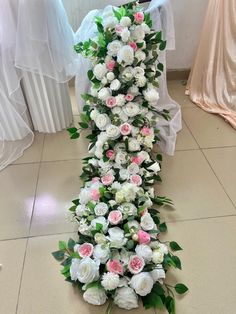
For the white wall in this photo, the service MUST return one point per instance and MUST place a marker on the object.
(188, 14)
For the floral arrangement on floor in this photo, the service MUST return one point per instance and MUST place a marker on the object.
(119, 254)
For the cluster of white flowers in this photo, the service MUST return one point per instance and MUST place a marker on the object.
(118, 246)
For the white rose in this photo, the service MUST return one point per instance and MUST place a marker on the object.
(102, 120)
(115, 85)
(133, 224)
(141, 81)
(163, 248)
(101, 209)
(147, 223)
(100, 70)
(100, 238)
(138, 33)
(93, 162)
(113, 131)
(144, 251)
(128, 209)
(116, 237)
(133, 90)
(101, 253)
(131, 109)
(158, 273)
(94, 113)
(110, 22)
(138, 71)
(95, 296)
(140, 55)
(110, 76)
(100, 220)
(80, 210)
(125, 21)
(104, 93)
(104, 80)
(114, 47)
(121, 158)
(125, 35)
(127, 74)
(110, 281)
(157, 257)
(151, 95)
(123, 116)
(83, 227)
(142, 283)
(94, 91)
(84, 196)
(133, 168)
(126, 298)
(155, 167)
(144, 155)
(133, 145)
(130, 191)
(146, 28)
(120, 196)
(116, 110)
(120, 100)
(115, 186)
(124, 174)
(125, 55)
(74, 269)
(88, 270)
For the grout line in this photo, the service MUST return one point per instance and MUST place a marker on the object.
(234, 205)
(202, 151)
(31, 218)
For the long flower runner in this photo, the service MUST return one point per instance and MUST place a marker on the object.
(118, 254)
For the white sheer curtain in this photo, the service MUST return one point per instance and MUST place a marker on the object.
(162, 15)
(45, 56)
(15, 131)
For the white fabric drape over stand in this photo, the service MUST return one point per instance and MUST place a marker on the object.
(45, 56)
(162, 15)
(15, 126)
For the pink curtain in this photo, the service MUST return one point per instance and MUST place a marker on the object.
(212, 82)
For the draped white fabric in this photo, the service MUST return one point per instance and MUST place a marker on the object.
(15, 131)
(45, 55)
(162, 15)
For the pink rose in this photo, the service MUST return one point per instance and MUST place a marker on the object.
(111, 102)
(119, 29)
(143, 237)
(115, 266)
(133, 45)
(146, 131)
(110, 154)
(95, 179)
(129, 97)
(111, 65)
(139, 17)
(136, 264)
(107, 179)
(125, 129)
(137, 160)
(85, 250)
(115, 217)
(95, 195)
(136, 179)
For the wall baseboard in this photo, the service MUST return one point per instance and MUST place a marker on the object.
(182, 74)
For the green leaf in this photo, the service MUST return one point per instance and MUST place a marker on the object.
(159, 36)
(90, 74)
(71, 243)
(83, 125)
(76, 201)
(62, 245)
(152, 300)
(72, 208)
(159, 157)
(72, 130)
(75, 136)
(162, 45)
(160, 67)
(157, 288)
(58, 255)
(99, 227)
(170, 305)
(175, 246)
(177, 262)
(163, 227)
(84, 118)
(180, 288)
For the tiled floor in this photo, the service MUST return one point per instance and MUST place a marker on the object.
(36, 191)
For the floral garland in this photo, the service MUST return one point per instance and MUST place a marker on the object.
(119, 254)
